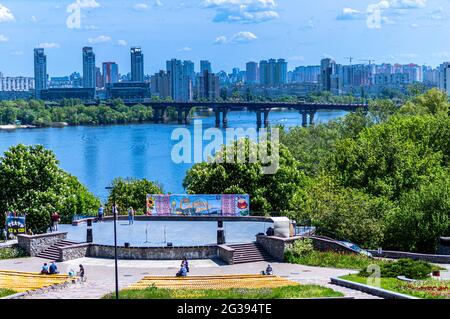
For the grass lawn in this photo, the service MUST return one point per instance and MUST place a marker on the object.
(6, 292)
(11, 253)
(289, 292)
(332, 260)
(426, 289)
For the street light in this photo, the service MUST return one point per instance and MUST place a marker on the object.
(115, 241)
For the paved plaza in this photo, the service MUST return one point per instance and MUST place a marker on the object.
(100, 274)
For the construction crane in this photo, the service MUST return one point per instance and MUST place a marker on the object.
(370, 61)
(349, 58)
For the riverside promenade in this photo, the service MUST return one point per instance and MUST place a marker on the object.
(100, 274)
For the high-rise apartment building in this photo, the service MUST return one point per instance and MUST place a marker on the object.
(89, 74)
(137, 65)
(160, 84)
(444, 77)
(306, 74)
(208, 86)
(16, 84)
(181, 83)
(273, 72)
(40, 71)
(327, 71)
(205, 65)
(251, 73)
(110, 73)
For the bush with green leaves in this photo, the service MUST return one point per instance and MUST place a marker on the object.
(12, 252)
(301, 247)
(32, 183)
(132, 192)
(413, 269)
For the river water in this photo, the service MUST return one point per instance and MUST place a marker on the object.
(98, 154)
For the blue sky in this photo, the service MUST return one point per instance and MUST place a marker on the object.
(228, 32)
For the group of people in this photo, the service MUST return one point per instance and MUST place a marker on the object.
(115, 209)
(49, 270)
(184, 269)
(52, 269)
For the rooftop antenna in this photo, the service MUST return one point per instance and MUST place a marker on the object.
(350, 59)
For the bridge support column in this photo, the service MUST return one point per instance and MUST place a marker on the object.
(217, 111)
(266, 118)
(180, 116)
(156, 115)
(312, 114)
(225, 118)
(186, 116)
(258, 120)
(304, 118)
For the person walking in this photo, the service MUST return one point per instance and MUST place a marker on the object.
(130, 216)
(101, 211)
(55, 220)
(82, 274)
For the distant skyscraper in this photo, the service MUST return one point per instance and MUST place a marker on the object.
(110, 73)
(208, 86)
(306, 74)
(137, 65)
(99, 78)
(40, 71)
(327, 70)
(205, 65)
(161, 84)
(444, 77)
(181, 83)
(89, 79)
(251, 73)
(273, 72)
(189, 70)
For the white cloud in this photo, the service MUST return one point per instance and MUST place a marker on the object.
(237, 38)
(49, 45)
(408, 4)
(3, 38)
(17, 53)
(141, 7)
(5, 14)
(100, 39)
(351, 14)
(158, 3)
(88, 4)
(243, 11)
(185, 49)
(122, 43)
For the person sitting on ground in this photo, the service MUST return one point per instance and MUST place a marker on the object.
(53, 269)
(44, 270)
(185, 264)
(182, 272)
(269, 270)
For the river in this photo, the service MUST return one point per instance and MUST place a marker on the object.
(98, 154)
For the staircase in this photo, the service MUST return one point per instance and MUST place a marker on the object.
(249, 253)
(52, 252)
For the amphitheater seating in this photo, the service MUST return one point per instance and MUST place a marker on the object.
(214, 282)
(26, 281)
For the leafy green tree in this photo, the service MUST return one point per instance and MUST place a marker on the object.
(31, 182)
(268, 192)
(132, 193)
(422, 217)
(433, 102)
(344, 213)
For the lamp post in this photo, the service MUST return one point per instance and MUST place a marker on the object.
(115, 241)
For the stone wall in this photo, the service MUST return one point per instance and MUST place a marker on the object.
(155, 253)
(438, 259)
(35, 244)
(74, 252)
(275, 246)
(226, 254)
(325, 244)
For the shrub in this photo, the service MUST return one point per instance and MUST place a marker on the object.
(11, 253)
(413, 269)
(301, 247)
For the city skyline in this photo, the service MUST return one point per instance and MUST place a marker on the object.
(227, 32)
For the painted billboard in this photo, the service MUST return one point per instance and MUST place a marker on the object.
(198, 205)
(15, 225)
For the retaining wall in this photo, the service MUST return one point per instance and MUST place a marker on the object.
(438, 259)
(156, 253)
(35, 244)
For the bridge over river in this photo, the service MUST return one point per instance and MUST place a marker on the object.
(221, 109)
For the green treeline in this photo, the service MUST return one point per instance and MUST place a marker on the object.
(38, 114)
(380, 179)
